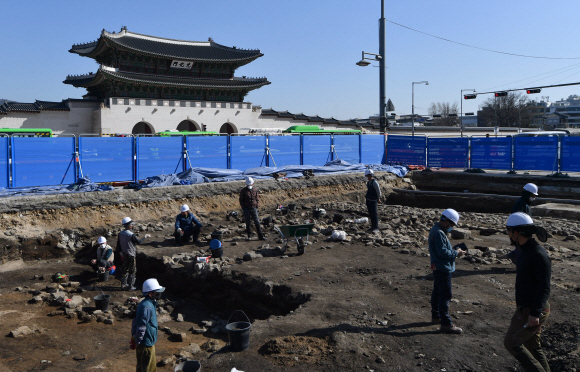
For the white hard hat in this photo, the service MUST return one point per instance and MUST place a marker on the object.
(451, 215)
(151, 285)
(519, 219)
(126, 220)
(184, 208)
(531, 188)
(101, 240)
(249, 181)
(369, 172)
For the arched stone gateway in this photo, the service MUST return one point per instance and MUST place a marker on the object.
(187, 126)
(228, 128)
(143, 128)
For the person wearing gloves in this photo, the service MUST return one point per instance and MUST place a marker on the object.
(127, 244)
(533, 275)
(524, 203)
(104, 257)
(373, 197)
(186, 226)
(443, 264)
(144, 327)
(250, 202)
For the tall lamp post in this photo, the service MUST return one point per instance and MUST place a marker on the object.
(382, 67)
(463, 90)
(413, 102)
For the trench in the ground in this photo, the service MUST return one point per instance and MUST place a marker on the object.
(226, 291)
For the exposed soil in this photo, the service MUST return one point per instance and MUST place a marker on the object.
(354, 306)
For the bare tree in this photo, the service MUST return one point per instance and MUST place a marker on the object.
(445, 109)
(510, 110)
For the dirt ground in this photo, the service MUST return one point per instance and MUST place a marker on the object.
(367, 305)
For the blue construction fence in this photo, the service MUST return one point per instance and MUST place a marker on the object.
(47, 161)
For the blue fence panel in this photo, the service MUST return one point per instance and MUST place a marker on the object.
(107, 159)
(285, 150)
(372, 149)
(409, 150)
(159, 155)
(447, 152)
(570, 154)
(491, 153)
(316, 149)
(347, 147)
(536, 153)
(4, 163)
(43, 161)
(207, 151)
(247, 152)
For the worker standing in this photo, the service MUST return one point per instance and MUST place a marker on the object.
(128, 241)
(104, 257)
(144, 328)
(373, 197)
(186, 226)
(524, 203)
(534, 271)
(443, 264)
(250, 202)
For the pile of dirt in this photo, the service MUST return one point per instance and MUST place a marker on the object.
(561, 344)
(296, 350)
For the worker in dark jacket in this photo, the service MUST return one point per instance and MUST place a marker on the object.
(104, 257)
(534, 271)
(373, 197)
(186, 226)
(127, 243)
(528, 196)
(250, 202)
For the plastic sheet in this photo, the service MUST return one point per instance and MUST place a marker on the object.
(570, 154)
(409, 150)
(316, 149)
(188, 177)
(491, 153)
(207, 151)
(159, 155)
(372, 149)
(347, 147)
(84, 184)
(43, 161)
(4, 163)
(285, 150)
(447, 152)
(107, 159)
(536, 153)
(247, 152)
(398, 170)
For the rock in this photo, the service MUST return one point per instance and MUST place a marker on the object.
(80, 357)
(179, 337)
(198, 330)
(180, 317)
(571, 238)
(249, 256)
(460, 234)
(166, 361)
(108, 321)
(164, 318)
(193, 348)
(487, 232)
(37, 299)
(481, 248)
(405, 251)
(380, 360)
(97, 312)
(21, 332)
(74, 302)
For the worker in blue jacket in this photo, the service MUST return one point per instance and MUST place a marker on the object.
(186, 226)
(443, 264)
(144, 328)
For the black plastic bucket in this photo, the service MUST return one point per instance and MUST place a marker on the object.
(284, 210)
(188, 366)
(103, 277)
(292, 207)
(217, 235)
(337, 218)
(239, 333)
(217, 253)
(102, 302)
(267, 220)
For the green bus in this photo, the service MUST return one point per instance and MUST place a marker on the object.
(27, 132)
(315, 129)
(168, 133)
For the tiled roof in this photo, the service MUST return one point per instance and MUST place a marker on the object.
(285, 114)
(107, 73)
(270, 112)
(54, 106)
(316, 118)
(300, 116)
(331, 121)
(37, 106)
(208, 51)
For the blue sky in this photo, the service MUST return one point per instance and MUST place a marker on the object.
(311, 47)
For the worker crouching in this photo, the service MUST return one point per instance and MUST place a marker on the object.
(186, 226)
(104, 257)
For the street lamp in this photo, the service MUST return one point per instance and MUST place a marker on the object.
(547, 98)
(381, 59)
(463, 90)
(413, 102)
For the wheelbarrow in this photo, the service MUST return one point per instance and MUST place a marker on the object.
(298, 232)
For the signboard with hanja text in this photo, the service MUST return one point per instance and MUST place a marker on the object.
(181, 64)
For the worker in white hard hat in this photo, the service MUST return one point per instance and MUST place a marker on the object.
(127, 244)
(144, 328)
(443, 257)
(524, 203)
(373, 197)
(534, 271)
(186, 226)
(250, 202)
(104, 257)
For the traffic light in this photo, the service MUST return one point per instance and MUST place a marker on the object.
(204, 127)
(469, 96)
(532, 91)
(501, 94)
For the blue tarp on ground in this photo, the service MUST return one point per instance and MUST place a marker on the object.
(188, 177)
(84, 184)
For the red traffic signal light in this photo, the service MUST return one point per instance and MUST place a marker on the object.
(501, 94)
(532, 91)
(204, 127)
(469, 96)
